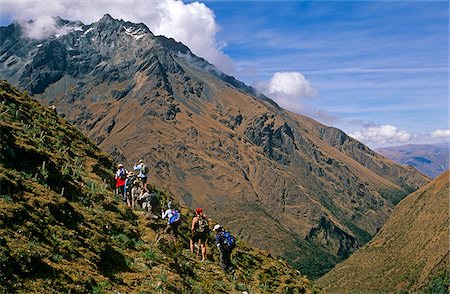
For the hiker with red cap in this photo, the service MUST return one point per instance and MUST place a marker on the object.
(199, 231)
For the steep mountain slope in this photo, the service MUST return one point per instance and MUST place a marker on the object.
(430, 159)
(411, 252)
(213, 141)
(61, 230)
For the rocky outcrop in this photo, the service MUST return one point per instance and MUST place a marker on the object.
(327, 234)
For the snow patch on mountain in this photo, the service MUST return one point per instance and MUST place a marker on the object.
(135, 33)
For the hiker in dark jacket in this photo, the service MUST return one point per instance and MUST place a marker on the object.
(129, 183)
(224, 249)
(199, 231)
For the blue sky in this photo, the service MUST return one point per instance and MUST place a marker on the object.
(372, 63)
(376, 69)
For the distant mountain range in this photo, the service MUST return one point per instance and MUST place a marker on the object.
(410, 253)
(431, 159)
(283, 181)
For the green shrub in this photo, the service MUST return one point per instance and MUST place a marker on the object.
(150, 255)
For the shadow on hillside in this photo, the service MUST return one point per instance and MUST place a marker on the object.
(111, 262)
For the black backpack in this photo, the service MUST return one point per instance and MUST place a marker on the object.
(123, 174)
(130, 182)
(202, 225)
(144, 169)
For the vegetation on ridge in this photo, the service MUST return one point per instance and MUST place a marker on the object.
(61, 229)
(410, 254)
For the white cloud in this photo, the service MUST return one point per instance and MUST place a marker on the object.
(193, 24)
(380, 135)
(441, 134)
(290, 84)
(42, 27)
(288, 89)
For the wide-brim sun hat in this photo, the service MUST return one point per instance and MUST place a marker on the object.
(120, 165)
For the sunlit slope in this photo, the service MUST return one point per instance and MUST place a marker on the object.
(411, 252)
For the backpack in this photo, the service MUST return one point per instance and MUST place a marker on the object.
(129, 182)
(123, 174)
(202, 225)
(144, 169)
(229, 242)
(153, 198)
(176, 216)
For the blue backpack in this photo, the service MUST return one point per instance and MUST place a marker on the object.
(176, 216)
(228, 241)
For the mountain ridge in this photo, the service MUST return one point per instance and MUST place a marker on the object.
(430, 159)
(213, 144)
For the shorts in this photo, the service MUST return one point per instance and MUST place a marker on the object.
(199, 236)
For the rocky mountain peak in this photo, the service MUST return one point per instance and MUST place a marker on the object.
(107, 18)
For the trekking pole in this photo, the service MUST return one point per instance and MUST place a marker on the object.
(157, 238)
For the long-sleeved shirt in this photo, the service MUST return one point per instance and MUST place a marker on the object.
(140, 168)
(168, 213)
(219, 241)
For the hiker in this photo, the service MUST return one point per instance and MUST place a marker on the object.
(121, 176)
(149, 202)
(128, 186)
(225, 243)
(173, 221)
(199, 231)
(136, 191)
(143, 171)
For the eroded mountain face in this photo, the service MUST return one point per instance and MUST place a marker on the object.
(285, 182)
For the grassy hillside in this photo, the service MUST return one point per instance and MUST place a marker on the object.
(62, 230)
(409, 255)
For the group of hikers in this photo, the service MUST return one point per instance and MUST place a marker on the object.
(133, 189)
